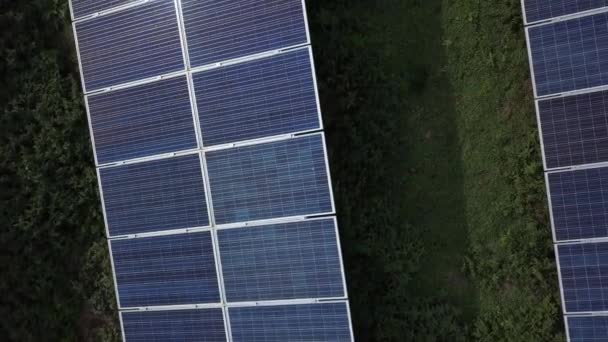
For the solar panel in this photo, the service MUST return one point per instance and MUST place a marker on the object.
(212, 169)
(537, 10)
(579, 203)
(261, 98)
(205, 325)
(130, 45)
(142, 121)
(574, 129)
(570, 55)
(154, 195)
(270, 180)
(282, 261)
(311, 322)
(83, 8)
(219, 30)
(588, 328)
(165, 270)
(584, 276)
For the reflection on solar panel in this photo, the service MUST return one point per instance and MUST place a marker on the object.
(177, 325)
(83, 8)
(142, 121)
(574, 129)
(256, 99)
(570, 55)
(165, 270)
(271, 180)
(129, 45)
(587, 328)
(312, 322)
(282, 261)
(537, 10)
(212, 168)
(219, 30)
(584, 271)
(154, 195)
(579, 203)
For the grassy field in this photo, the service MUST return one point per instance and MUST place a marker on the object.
(434, 155)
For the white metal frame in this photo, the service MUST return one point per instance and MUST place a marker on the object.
(201, 150)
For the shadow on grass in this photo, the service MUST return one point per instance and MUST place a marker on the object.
(396, 166)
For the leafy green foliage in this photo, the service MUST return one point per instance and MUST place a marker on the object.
(49, 208)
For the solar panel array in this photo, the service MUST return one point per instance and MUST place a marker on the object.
(212, 168)
(568, 51)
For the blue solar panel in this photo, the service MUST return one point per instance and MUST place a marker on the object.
(588, 329)
(536, 10)
(307, 322)
(130, 45)
(574, 129)
(579, 203)
(219, 30)
(281, 261)
(584, 274)
(154, 195)
(570, 55)
(142, 121)
(166, 270)
(271, 180)
(174, 326)
(256, 99)
(81, 8)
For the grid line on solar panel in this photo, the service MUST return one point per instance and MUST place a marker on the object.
(219, 30)
(270, 180)
(165, 270)
(154, 195)
(281, 261)
(83, 8)
(569, 55)
(538, 10)
(584, 276)
(304, 322)
(205, 325)
(142, 121)
(575, 129)
(251, 100)
(587, 329)
(130, 45)
(579, 203)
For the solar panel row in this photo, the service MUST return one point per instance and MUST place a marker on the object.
(568, 53)
(206, 179)
(540, 10)
(301, 322)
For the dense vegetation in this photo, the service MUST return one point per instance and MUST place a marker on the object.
(434, 155)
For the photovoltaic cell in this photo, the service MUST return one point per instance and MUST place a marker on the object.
(270, 180)
(256, 99)
(281, 261)
(575, 129)
(174, 326)
(309, 322)
(579, 203)
(154, 195)
(165, 270)
(570, 55)
(536, 10)
(588, 329)
(218, 30)
(584, 275)
(142, 121)
(130, 45)
(82, 8)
